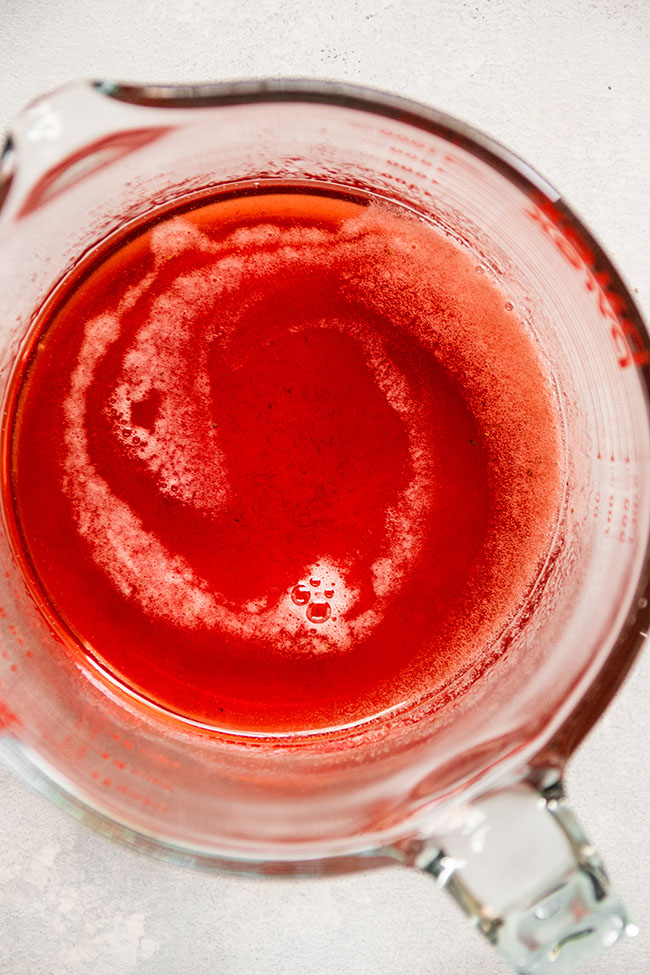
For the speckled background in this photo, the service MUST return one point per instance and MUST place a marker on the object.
(567, 86)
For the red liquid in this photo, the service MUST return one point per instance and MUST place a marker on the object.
(285, 461)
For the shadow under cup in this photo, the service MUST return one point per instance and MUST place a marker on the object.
(82, 162)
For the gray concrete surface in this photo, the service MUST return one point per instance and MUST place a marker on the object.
(567, 86)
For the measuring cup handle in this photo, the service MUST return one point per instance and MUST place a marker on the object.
(520, 866)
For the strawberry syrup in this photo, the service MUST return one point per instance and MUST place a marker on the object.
(284, 461)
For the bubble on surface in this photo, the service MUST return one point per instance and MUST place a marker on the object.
(319, 611)
(300, 595)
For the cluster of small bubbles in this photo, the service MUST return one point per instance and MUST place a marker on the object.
(300, 595)
(314, 600)
(319, 612)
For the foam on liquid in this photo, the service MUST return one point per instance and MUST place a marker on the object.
(159, 410)
(168, 357)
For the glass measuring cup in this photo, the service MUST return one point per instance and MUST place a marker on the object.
(476, 801)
